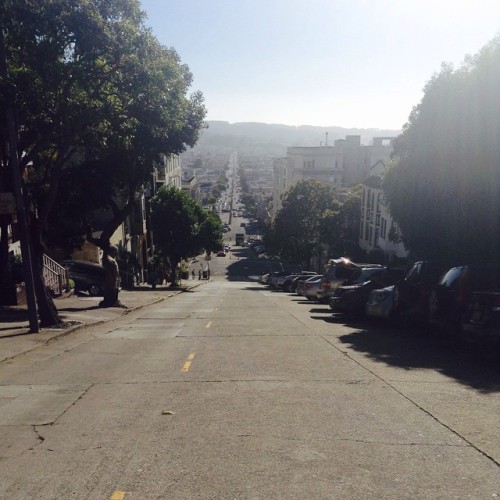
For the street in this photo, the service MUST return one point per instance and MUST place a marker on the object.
(233, 390)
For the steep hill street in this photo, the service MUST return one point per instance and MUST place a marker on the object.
(232, 390)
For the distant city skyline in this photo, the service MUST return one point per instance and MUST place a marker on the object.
(347, 63)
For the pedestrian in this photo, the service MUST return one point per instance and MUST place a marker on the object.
(111, 278)
(199, 275)
(192, 273)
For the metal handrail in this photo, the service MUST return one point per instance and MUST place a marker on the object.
(55, 275)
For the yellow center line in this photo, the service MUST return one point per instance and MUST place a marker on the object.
(117, 495)
(208, 324)
(187, 364)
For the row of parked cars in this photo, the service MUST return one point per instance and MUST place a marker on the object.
(463, 300)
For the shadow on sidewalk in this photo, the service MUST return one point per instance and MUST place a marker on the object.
(13, 314)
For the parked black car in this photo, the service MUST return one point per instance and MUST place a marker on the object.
(88, 276)
(452, 295)
(481, 321)
(351, 299)
(411, 295)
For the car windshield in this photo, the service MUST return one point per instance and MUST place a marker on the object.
(364, 274)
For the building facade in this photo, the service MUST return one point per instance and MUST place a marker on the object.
(168, 172)
(344, 164)
(378, 230)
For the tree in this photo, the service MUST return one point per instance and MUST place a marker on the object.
(444, 182)
(98, 99)
(181, 227)
(210, 235)
(339, 226)
(295, 233)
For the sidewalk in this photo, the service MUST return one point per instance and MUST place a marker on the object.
(76, 311)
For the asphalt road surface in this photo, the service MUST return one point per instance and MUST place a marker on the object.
(236, 391)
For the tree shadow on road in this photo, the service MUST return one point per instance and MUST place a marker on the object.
(421, 348)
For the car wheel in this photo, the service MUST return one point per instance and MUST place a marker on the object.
(94, 290)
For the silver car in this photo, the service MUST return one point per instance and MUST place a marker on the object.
(311, 288)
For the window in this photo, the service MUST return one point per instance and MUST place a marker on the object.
(383, 227)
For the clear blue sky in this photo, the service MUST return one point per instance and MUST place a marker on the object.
(351, 63)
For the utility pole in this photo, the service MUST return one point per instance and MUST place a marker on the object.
(18, 195)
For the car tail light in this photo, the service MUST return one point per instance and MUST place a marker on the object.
(308, 285)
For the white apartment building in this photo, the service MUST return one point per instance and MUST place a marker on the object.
(344, 164)
(168, 172)
(378, 230)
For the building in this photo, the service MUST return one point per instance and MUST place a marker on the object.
(378, 230)
(190, 185)
(344, 164)
(168, 173)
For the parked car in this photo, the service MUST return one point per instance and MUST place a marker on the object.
(291, 286)
(273, 277)
(280, 280)
(338, 272)
(263, 278)
(311, 288)
(481, 321)
(451, 296)
(351, 299)
(301, 286)
(88, 276)
(380, 303)
(411, 295)
(288, 281)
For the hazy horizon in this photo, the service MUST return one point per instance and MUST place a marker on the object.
(354, 63)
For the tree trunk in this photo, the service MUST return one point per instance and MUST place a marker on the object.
(47, 310)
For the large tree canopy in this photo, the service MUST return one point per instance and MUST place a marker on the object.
(444, 184)
(97, 100)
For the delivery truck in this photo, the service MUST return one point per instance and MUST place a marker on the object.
(240, 238)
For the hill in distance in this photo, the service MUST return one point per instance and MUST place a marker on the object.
(273, 139)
